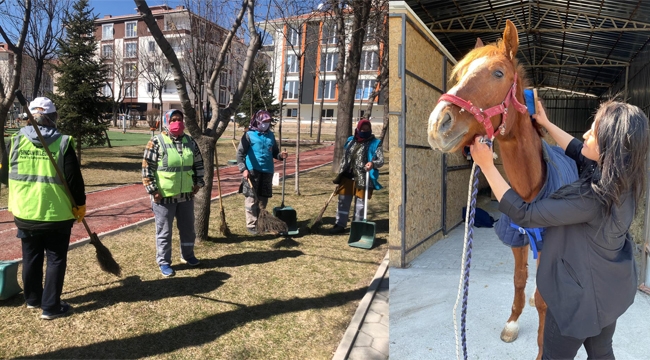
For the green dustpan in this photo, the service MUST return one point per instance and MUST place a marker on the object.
(286, 213)
(8, 279)
(362, 233)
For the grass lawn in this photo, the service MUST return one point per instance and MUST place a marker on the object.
(255, 297)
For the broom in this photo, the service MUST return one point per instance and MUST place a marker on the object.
(104, 256)
(225, 231)
(315, 223)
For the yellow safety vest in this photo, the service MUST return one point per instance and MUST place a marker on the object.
(174, 173)
(35, 190)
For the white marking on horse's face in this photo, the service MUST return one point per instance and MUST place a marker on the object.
(471, 69)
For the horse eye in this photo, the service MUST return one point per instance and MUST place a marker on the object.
(498, 73)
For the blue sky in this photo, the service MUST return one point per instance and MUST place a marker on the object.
(124, 7)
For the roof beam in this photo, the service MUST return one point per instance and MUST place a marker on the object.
(549, 58)
(580, 83)
(478, 22)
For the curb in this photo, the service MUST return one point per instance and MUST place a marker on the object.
(347, 342)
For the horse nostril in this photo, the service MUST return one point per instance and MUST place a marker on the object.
(446, 123)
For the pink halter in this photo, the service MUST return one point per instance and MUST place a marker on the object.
(483, 116)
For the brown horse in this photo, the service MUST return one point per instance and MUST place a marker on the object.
(487, 100)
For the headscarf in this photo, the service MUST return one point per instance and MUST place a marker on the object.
(259, 117)
(168, 116)
(360, 124)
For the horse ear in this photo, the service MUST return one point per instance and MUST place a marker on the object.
(510, 40)
(479, 43)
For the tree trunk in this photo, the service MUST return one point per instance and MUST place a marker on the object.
(297, 172)
(108, 140)
(37, 78)
(384, 128)
(202, 198)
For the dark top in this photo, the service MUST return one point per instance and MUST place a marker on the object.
(72, 172)
(587, 274)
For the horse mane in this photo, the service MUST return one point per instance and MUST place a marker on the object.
(492, 50)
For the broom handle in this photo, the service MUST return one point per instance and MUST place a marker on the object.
(216, 158)
(23, 102)
(284, 176)
(365, 200)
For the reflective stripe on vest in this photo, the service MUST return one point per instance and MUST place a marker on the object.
(174, 173)
(35, 190)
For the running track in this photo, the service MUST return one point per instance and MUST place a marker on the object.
(112, 209)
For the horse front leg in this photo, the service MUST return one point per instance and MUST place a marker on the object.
(540, 304)
(511, 330)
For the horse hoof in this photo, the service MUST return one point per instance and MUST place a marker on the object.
(510, 332)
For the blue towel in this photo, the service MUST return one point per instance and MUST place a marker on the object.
(529, 96)
(560, 170)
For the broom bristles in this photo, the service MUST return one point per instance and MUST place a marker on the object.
(225, 231)
(104, 257)
(269, 223)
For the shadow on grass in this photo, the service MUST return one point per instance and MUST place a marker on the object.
(250, 257)
(133, 289)
(115, 165)
(236, 239)
(200, 332)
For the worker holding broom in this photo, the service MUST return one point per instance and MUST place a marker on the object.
(172, 173)
(255, 155)
(42, 210)
(363, 153)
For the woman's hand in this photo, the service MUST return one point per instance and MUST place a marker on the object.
(369, 166)
(540, 115)
(481, 153)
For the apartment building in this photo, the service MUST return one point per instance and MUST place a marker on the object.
(7, 63)
(138, 70)
(311, 40)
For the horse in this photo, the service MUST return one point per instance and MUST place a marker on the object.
(468, 110)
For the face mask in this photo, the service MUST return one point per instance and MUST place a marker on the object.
(176, 128)
(264, 126)
(364, 134)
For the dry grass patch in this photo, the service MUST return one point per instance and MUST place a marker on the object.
(251, 298)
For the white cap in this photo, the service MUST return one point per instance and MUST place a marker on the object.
(42, 102)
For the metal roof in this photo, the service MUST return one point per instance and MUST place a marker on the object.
(575, 45)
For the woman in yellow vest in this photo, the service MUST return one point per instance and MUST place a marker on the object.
(172, 172)
(42, 210)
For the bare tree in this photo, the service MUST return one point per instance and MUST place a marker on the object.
(123, 71)
(347, 70)
(219, 119)
(379, 23)
(156, 71)
(45, 27)
(300, 31)
(16, 46)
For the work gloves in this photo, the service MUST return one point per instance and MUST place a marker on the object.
(79, 212)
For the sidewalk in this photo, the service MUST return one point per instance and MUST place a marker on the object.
(423, 297)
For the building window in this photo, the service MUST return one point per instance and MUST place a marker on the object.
(223, 98)
(329, 88)
(292, 112)
(329, 34)
(364, 88)
(294, 37)
(107, 32)
(130, 70)
(371, 32)
(130, 49)
(109, 70)
(150, 88)
(327, 113)
(107, 91)
(223, 79)
(369, 60)
(328, 61)
(169, 88)
(129, 90)
(131, 29)
(107, 51)
(291, 90)
(292, 64)
(152, 46)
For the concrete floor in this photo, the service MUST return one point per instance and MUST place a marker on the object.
(422, 298)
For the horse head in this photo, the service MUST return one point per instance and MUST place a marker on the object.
(486, 98)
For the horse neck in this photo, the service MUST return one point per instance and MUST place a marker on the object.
(521, 153)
